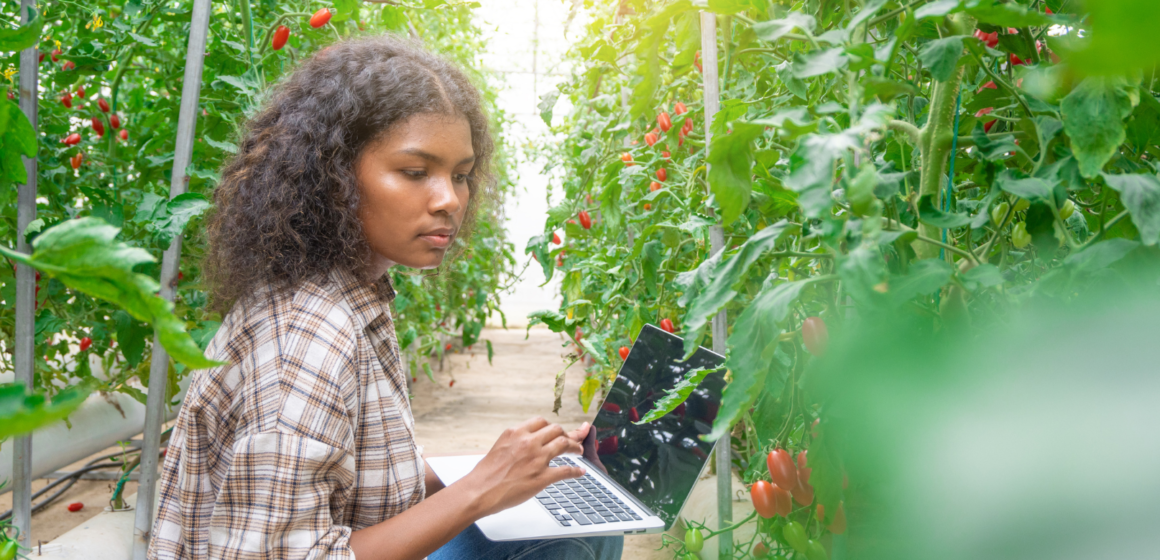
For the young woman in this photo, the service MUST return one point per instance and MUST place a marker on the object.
(373, 153)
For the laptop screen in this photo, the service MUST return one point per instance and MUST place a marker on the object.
(658, 462)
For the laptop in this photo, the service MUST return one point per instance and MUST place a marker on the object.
(638, 476)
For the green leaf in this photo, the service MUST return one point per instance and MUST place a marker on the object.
(345, 10)
(1100, 255)
(490, 351)
(1141, 196)
(773, 30)
(223, 146)
(861, 271)
(730, 169)
(83, 254)
(932, 216)
(941, 56)
(986, 275)
(924, 277)
(812, 171)
(865, 13)
(1122, 37)
(677, 395)
(588, 391)
(22, 37)
(719, 291)
(1009, 14)
(176, 214)
(1093, 116)
(19, 135)
(860, 193)
(22, 413)
(1031, 188)
(939, 8)
(820, 62)
(648, 51)
(727, 7)
(555, 321)
(547, 103)
(751, 348)
(538, 246)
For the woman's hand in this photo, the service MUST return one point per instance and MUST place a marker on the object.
(517, 468)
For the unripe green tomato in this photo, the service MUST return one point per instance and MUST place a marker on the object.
(7, 549)
(795, 535)
(815, 551)
(1022, 205)
(694, 540)
(999, 212)
(1067, 210)
(1019, 236)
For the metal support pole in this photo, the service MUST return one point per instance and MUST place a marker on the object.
(25, 346)
(159, 366)
(723, 449)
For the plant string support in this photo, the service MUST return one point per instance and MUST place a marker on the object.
(159, 366)
(723, 451)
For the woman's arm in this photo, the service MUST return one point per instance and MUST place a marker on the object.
(431, 481)
(513, 471)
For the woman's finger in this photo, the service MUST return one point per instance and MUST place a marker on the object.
(562, 445)
(556, 474)
(548, 433)
(580, 433)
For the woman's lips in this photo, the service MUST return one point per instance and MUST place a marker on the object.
(438, 240)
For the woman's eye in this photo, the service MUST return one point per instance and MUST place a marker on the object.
(414, 174)
(460, 178)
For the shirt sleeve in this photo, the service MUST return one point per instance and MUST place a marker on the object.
(277, 500)
(292, 472)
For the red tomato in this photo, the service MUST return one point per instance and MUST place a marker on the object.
(662, 174)
(838, 524)
(72, 139)
(647, 207)
(104, 105)
(803, 493)
(560, 260)
(280, 36)
(781, 468)
(815, 335)
(1016, 61)
(667, 325)
(664, 121)
(76, 506)
(626, 158)
(697, 62)
(76, 160)
(989, 85)
(801, 459)
(633, 415)
(760, 550)
(86, 342)
(555, 238)
(654, 186)
(984, 111)
(611, 407)
(585, 219)
(623, 352)
(115, 121)
(124, 134)
(665, 155)
(650, 139)
(989, 125)
(320, 18)
(98, 127)
(578, 335)
(447, 348)
(679, 108)
(769, 500)
(451, 383)
(81, 92)
(66, 100)
(607, 446)
(68, 65)
(55, 53)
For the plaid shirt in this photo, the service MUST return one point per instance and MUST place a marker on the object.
(305, 436)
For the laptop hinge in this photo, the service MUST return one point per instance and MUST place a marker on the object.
(623, 490)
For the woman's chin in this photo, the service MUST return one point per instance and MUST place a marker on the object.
(425, 261)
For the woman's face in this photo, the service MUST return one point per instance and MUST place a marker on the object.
(413, 190)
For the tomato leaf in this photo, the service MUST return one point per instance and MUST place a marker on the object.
(924, 277)
(538, 246)
(1031, 188)
(677, 395)
(819, 62)
(812, 171)
(941, 56)
(1009, 14)
(1141, 196)
(170, 220)
(547, 104)
(22, 413)
(1122, 38)
(775, 29)
(730, 162)
(555, 321)
(751, 348)
(861, 271)
(588, 391)
(1093, 116)
(22, 37)
(939, 8)
(932, 216)
(719, 290)
(83, 254)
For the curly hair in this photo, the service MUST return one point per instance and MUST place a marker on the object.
(286, 207)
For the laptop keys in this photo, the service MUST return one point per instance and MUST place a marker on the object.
(584, 501)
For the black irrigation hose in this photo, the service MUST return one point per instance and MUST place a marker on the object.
(71, 479)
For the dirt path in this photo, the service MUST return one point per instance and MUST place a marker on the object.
(468, 417)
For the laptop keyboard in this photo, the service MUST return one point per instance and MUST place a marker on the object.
(583, 501)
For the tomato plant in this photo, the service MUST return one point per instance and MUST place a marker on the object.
(947, 161)
(118, 66)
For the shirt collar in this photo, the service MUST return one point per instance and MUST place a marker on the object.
(368, 299)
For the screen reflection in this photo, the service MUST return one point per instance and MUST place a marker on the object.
(658, 462)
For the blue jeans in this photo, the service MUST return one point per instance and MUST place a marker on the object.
(472, 545)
